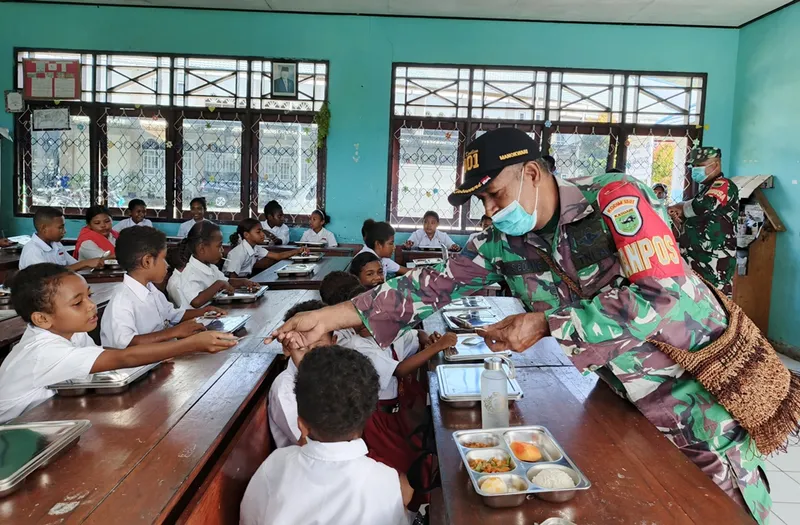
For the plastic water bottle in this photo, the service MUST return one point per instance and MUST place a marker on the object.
(494, 394)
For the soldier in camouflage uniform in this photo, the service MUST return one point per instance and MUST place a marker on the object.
(707, 223)
(600, 269)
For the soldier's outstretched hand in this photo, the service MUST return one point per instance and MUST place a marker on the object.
(517, 332)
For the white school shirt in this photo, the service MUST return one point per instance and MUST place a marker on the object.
(174, 286)
(281, 232)
(127, 223)
(472, 237)
(282, 408)
(37, 251)
(389, 266)
(323, 484)
(323, 236)
(134, 310)
(195, 278)
(243, 257)
(42, 358)
(90, 250)
(420, 238)
(183, 231)
(382, 359)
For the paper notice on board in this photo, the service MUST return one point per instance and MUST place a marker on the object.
(64, 88)
(42, 87)
(50, 119)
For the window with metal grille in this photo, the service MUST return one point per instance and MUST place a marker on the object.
(589, 121)
(166, 128)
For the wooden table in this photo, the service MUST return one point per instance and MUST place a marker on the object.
(9, 261)
(338, 251)
(546, 352)
(181, 445)
(637, 475)
(403, 255)
(104, 275)
(309, 282)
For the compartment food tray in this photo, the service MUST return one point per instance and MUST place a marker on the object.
(468, 320)
(241, 296)
(522, 473)
(312, 257)
(317, 244)
(112, 382)
(297, 270)
(470, 347)
(42, 442)
(472, 302)
(427, 262)
(460, 384)
(227, 324)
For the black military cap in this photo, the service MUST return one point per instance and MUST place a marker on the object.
(699, 155)
(486, 156)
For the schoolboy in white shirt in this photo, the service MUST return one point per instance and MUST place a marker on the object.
(277, 232)
(429, 235)
(247, 249)
(137, 210)
(198, 208)
(138, 313)
(56, 304)
(486, 223)
(329, 480)
(45, 245)
(282, 407)
(379, 241)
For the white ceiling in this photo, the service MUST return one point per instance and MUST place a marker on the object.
(722, 13)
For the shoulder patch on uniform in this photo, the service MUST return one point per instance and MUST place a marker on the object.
(645, 244)
(719, 190)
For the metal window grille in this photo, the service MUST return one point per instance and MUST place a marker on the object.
(589, 121)
(166, 128)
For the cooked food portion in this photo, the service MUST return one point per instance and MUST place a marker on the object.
(553, 478)
(494, 485)
(491, 466)
(526, 451)
(477, 444)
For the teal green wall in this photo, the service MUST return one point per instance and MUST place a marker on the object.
(766, 140)
(361, 51)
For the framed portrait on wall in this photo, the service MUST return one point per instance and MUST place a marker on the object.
(284, 79)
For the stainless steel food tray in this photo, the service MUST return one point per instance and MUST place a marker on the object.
(520, 477)
(111, 264)
(460, 385)
(113, 382)
(427, 262)
(470, 347)
(472, 302)
(467, 321)
(427, 248)
(240, 296)
(297, 270)
(47, 439)
(227, 324)
(312, 257)
(316, 244)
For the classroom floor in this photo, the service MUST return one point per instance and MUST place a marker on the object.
(784, 478)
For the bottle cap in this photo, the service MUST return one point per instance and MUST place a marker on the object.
(493, 363)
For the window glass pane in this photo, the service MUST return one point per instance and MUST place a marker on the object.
(579, 155)
(428, 164)
(136, 161)
(287, 166)
(59, 166)
(659, 160)
(212, 163)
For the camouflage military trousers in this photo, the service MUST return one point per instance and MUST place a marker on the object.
(739, 471)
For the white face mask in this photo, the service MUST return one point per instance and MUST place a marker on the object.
(513, 219)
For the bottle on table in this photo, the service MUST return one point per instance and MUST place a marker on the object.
(494, 394)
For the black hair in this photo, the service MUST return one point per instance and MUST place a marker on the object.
(335, 285)
(136, 202)
(337, 391)
(380, 232)
(271, 208)
(201, 233)
(44, 215)
(550, 161)
(615, 170)
(94, 211)
(354, 292)
(33, 288)
(366, 227)
(244, 226)
(174, 257)
(201, 201)
(305, 306)
(485, 217)
(430, 213)
(134, 243)
(659, 185)
(325, 217)
(360, 261)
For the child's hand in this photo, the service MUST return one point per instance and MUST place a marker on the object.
(186, 329)
(213, 311)
(95, 263)
(408, 244)
(299, 251)
(251, 286)
(455, 248)
(225, 286)
(446, 341)
(213, 342)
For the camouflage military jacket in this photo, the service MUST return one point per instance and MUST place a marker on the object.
(708, 235)
(605, 324)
